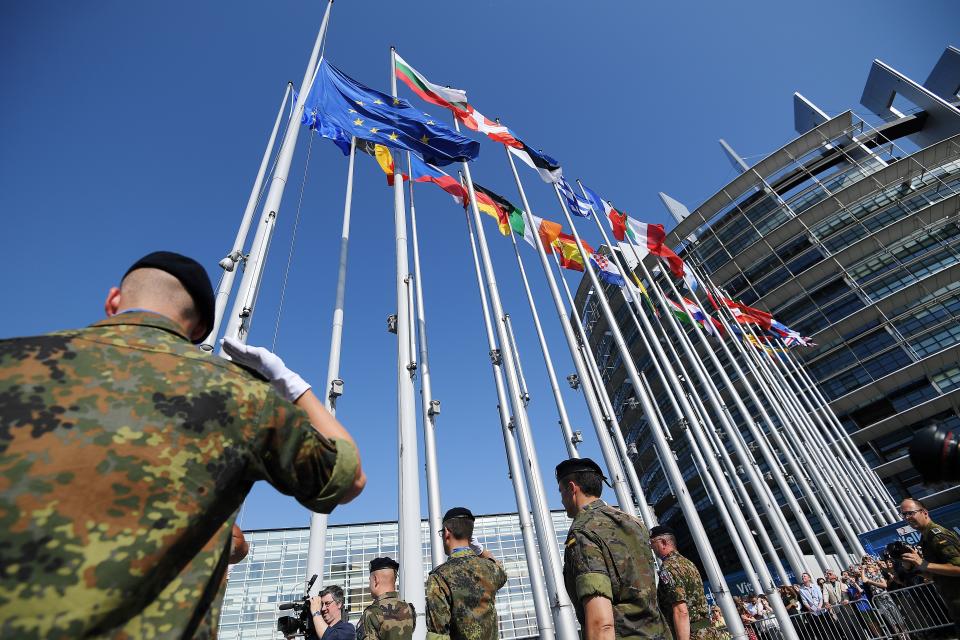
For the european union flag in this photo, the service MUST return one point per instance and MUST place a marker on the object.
(366, 113)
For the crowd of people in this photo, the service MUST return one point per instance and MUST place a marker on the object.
(846, 599)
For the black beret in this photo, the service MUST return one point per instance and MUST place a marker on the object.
(661, 530)
(191, 275)
(383, 563)
(458, 512)
(575, 465)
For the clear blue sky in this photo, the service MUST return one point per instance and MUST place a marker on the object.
(130, 127)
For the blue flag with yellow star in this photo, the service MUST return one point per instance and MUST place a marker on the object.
(366, 113)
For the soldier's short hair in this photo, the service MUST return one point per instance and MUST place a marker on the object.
(590, 482)
(917, 502)
(459, 528)
(334, 592)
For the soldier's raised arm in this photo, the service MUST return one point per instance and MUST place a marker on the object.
(293, 388)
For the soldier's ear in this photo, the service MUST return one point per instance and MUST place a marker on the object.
(112, 303)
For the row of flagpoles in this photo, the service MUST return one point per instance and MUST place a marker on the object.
(700, 361)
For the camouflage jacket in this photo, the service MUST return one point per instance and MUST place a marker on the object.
(387, 618)
(124, 454)
(680, 582)
(607, 553)
(942, 546)
(460, 598)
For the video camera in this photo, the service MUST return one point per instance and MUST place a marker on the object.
(895, 549)
(935, 454)
(299, 623)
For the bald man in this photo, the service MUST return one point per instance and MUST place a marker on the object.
(125, 453)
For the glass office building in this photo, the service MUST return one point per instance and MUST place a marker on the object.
(274, 571)
(849, 234)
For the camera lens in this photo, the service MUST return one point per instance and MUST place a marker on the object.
(935, 453)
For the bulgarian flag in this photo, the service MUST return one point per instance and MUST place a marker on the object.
(456, 101)
(530, 226)
(569, 254)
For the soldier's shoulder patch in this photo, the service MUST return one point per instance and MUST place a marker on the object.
(665, 577)
(571, 540)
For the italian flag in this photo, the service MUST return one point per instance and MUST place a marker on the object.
(455, 100)
(646, 238)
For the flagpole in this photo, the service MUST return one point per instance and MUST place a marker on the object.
(710, 433)
(429, 408)
(843, 441)
(235, 258)
(691, 420)
(670, 468)
(316, 551)
(410, 547)
(593, 404)
(595, 382)
(860, 491)
(839, 506)
(564, 616)
(568, 439)
(241, 314)
(524, 389)
(790, 546)
(780, 404)
(719, 502)
(860, 495)
(723, 414)
(535, 569)
(843, 505)
(840, 496)
(770, 504)
(694, 421)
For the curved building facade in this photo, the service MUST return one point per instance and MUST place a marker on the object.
(849, 234)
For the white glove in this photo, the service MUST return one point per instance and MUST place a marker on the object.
(476, 545)
(287, 383)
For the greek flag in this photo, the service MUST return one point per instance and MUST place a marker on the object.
(578, 206)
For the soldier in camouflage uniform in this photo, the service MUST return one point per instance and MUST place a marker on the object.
(941, 555)
(461, 591)
(680, 592)
(125, 452)
(607, 565)
(388, 617)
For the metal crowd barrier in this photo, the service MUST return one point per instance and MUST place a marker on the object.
(911, 613)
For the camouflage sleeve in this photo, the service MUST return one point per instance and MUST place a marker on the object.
(500, 575)
(671, 589)
(589, 567)
(438, 609)
(368, 626)
(300, 462)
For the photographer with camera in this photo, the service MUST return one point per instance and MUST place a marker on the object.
(327, 611)
(941, 554)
